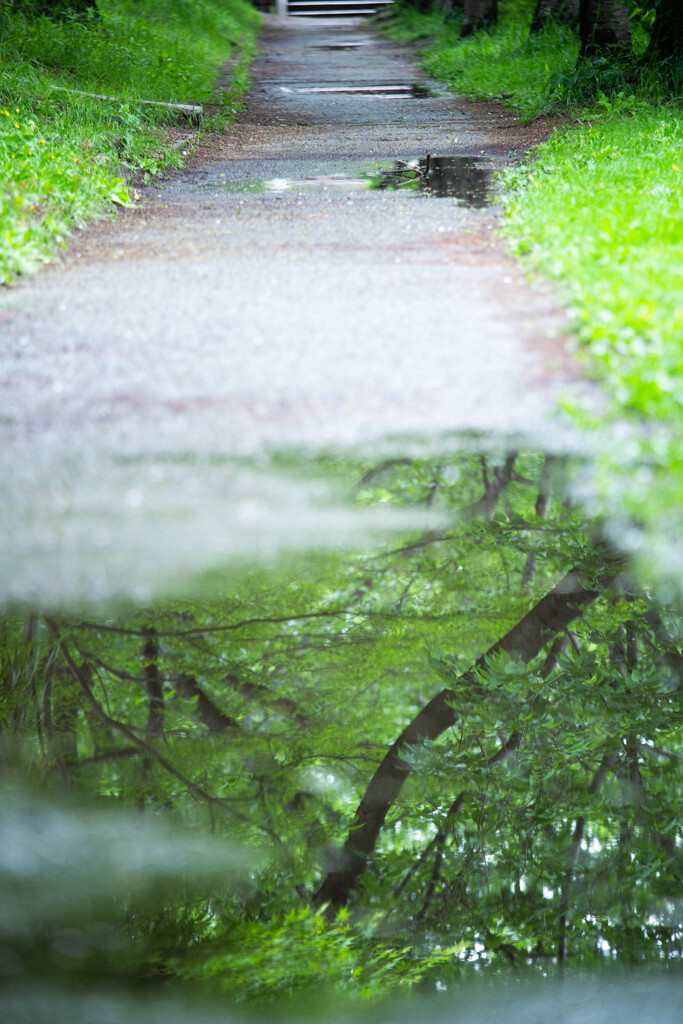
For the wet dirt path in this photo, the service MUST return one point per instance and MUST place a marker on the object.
(230, 317)
(264, 299)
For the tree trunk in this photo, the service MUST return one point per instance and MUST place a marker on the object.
(207, 712)
(566, 11)
(667, 32)
(447, 6)
(62, 701)
(526, 639)
(479, 14)
(80, 9)
(154, 684)
(605, 27)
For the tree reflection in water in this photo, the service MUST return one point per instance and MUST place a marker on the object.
(457, 755)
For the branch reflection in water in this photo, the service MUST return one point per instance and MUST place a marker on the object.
(441, 755)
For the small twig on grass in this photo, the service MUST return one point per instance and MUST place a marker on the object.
(191, 111)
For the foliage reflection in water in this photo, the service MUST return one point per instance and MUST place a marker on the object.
(468, 179)
(454, 755)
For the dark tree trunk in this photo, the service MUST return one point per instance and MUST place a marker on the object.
(80, 9)
(447, 6)
(566, 11)
(605, 27)
(207, 712)
(479, 14)
(667, 32)
(526, 639)
(154, 684)
(61, 704)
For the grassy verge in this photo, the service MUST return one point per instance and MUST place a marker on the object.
(507, 63)
(599, 208)
(64, 157)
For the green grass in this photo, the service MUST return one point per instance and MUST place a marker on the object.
(507, 63)
(63, 157)
(600, 209)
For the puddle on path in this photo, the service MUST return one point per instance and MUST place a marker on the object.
(230, 645)
(264, 185)
(470, 180)
(414, 90)
(340, 46)
(133, 529)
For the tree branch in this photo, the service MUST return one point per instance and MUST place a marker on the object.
(440, 844)
(526, 639)
(113, 723)
(439, 841)
(485, 506)
(207, 712)
(608, 761)
(201, 630)
(376, 471)
(673, 657)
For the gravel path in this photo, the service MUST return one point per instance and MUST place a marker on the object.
(265, 298)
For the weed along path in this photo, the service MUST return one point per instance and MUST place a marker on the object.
(268, 298)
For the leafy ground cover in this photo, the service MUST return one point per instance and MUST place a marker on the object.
(64, 157)
(598, 207)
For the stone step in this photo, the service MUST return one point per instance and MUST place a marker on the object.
(334, 8)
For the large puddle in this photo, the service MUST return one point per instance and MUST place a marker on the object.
(205, 663)
(468, 179)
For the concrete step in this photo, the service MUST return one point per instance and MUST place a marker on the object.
(335, 8)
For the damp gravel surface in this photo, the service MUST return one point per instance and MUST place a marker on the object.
(265, 298)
